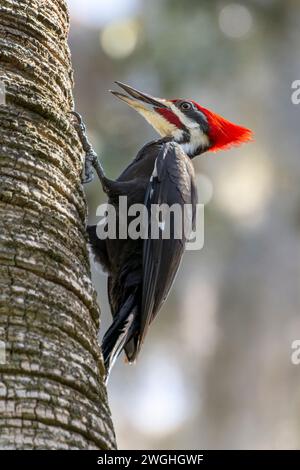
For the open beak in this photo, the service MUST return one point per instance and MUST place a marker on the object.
(137, 99)
(152, 109)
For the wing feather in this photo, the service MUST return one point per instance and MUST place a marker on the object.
(172, 182)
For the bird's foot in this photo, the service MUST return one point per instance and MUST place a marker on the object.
(90, 154)
(89, 163)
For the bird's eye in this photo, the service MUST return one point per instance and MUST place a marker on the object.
(185, 105)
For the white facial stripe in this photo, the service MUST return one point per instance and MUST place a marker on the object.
(198, 139)
(189, 123)
(197, 136)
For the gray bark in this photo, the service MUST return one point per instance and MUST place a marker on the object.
(52, 394)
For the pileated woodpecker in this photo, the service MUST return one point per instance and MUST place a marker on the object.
(141, 271)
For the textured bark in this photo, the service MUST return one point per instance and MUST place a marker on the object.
(51, 390)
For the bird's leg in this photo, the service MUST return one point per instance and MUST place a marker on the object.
(91, 157)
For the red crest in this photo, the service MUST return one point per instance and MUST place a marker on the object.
(223, 133)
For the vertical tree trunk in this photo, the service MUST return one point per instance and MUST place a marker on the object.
(51, 390)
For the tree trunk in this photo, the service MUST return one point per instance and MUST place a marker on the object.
(51, 389)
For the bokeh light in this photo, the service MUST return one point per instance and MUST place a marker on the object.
(156, 411)
(235, 20)
(243, 189)
(119, 38)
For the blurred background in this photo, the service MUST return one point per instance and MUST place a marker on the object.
(216, 370)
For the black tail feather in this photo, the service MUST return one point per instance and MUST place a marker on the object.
(119, 333)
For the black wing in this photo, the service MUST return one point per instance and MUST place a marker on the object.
(172, 182)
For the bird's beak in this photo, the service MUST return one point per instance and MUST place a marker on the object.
(139, 100)
(149, 107)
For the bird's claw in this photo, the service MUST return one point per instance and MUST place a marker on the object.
(90, 155)
(89, 162)
(79, 126)
(87, 176)
(79, 120)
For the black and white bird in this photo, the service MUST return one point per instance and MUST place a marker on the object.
(141, 271)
